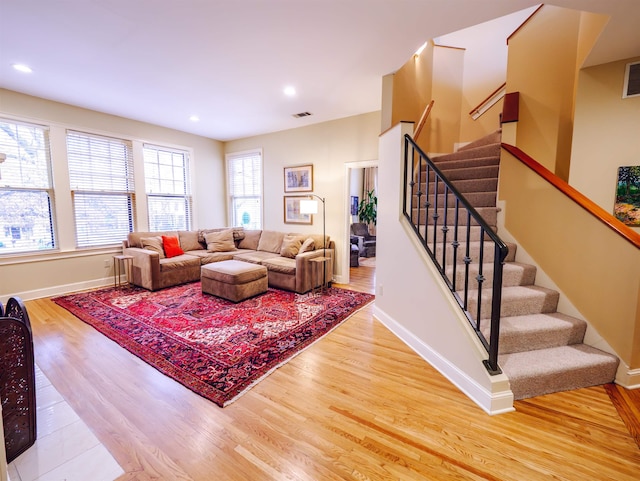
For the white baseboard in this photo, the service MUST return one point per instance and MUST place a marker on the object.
(492, 403)
(59, 290)
(628, 378)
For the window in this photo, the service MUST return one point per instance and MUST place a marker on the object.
(26, 194)
(166, 174)
(101, 176)
(244, 175)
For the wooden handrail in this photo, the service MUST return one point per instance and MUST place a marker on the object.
(488, 99)
(423, 120)
(598, 212)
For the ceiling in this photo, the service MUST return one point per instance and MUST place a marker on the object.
(228, 61)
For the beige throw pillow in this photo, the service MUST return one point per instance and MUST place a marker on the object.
(153, 244)
(221, 241)
(291, 245)
(270, 241)
(317, 240)
(307, 245)
(251, 240)
(189, 240)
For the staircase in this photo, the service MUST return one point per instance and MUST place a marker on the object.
(541, 350)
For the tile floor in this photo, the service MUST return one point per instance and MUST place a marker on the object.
(65, 449)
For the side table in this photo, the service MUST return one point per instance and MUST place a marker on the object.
(314, 274)
(122, 263)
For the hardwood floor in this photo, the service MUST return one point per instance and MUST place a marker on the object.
(359, 405)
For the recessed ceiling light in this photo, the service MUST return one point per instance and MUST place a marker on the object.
(22, 68)
(194, 118)
(289, 91)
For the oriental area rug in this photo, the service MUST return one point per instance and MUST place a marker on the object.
(214, 347)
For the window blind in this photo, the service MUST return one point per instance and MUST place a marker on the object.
(102, 187)
(244, 178)
(26, 189)
(168, 188)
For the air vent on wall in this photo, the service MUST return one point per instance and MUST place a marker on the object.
(631, 80)
(302, 114)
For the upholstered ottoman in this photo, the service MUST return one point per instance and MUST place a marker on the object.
(234, 280)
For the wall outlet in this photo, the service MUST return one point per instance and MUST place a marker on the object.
(107, 263)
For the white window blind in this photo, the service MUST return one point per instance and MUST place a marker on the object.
(168, 188)
(244, 177)
(26, 193)
(102, 185)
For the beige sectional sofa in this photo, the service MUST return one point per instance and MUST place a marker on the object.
(286, 256)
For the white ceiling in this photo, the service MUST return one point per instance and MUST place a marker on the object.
(227, 61)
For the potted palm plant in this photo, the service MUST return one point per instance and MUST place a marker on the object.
(368, 208)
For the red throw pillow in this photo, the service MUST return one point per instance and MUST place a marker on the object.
(171, 246)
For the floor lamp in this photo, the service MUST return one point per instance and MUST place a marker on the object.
(310, 206)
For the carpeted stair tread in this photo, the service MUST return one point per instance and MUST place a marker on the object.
(466, 185)
(517, 301)
(476, 199)
(543, 371)
(494, 137)
(487, 150)
(538, 331)
(493, 160)
(477, 172)
(474, 252)
(489, 214)
(474, 234)
(513, 274)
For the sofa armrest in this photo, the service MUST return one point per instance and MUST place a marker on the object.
(145, 270)
(304, 269)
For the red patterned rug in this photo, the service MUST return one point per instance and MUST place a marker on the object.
(214, 347)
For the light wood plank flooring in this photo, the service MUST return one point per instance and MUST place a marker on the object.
(358, 405)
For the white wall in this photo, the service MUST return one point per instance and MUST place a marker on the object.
(413, 301)
(32, 276)
(328, 146)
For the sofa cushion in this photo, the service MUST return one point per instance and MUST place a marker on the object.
(221, 241)
(179, 262)
(134, 238)
(307, 245)
(238, 233)
(171, 246)
(281, 264)
(189, 240)
(257, 257)
(207, 257)
(270, 241)
(251, 240)
(153, 243)
(291, 245)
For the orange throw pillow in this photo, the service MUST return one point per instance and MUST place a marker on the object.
(171, 246)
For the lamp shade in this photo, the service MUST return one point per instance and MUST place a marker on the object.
(308, 206)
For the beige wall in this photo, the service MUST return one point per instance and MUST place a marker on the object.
(448, 71)
(606, 134)
(328, 146)
(31, 276)
(546, 84)
(596, 268)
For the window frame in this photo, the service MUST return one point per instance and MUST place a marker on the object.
(186, 195)
(46, 188)
(111, 179)
(230, 159)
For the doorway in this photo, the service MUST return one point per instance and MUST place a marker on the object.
(355, 187)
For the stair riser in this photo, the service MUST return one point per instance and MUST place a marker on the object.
(464, 163)
(474, 235)
(489, 214)
(463, 186)
(476, 199)
(535, 304)
(474, 254)
(512, 275)
(472, 173)
(490, 150)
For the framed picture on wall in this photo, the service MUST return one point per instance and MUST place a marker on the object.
(354, 205)
(292, 213)
(627, 206)
(299, 178)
